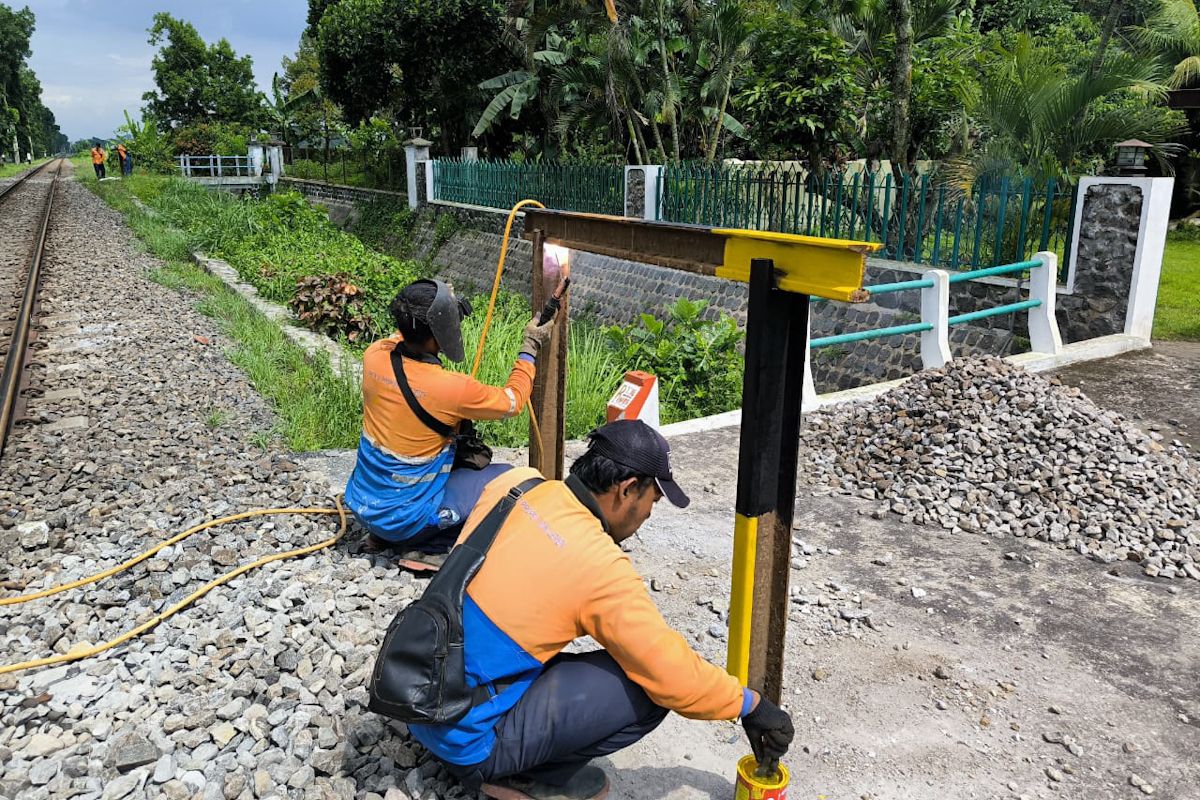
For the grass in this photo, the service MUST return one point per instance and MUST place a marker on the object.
(10, 170)
(593, 372)
(318, 409)
(1178, 313)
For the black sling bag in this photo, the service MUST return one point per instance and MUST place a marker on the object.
(470, 451)
(420, 674)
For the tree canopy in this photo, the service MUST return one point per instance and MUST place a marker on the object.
(196, 82)
(26, 125)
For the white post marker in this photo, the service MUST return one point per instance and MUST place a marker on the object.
(637, 398)
(1043, 326)
(935, 309)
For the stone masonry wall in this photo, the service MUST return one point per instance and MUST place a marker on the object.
(635, 192)
(1108, 239)
(617, 291)
(332, 192)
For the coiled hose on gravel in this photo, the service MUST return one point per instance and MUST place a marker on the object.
(87, 651)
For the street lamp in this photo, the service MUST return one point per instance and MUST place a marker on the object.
(1131, 156)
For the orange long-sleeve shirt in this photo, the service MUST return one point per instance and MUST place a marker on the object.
(449, 396)
(552, 575)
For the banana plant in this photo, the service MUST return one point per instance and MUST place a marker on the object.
(281, 109)
(514, 89)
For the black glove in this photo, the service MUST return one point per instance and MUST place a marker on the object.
(770, 731)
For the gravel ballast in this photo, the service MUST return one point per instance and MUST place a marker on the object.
(983, 446)
(259, 689)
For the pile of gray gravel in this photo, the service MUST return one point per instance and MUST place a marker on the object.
(983, 446)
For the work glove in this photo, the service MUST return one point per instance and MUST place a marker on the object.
(770, 731)
(535, 336)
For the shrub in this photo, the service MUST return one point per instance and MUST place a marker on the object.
(386, 225)
(332, 305)
(211, 138)
(696, 361)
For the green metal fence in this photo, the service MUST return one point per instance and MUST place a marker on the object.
(918, 219)
(598, 189)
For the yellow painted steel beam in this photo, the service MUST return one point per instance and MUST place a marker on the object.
(741, 597)
(829, 268)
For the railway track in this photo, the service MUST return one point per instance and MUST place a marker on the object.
(19, 281)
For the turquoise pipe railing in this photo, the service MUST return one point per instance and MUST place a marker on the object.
(1004, 269)
(878, 333)
(887, 288)
(924, 283)
(1010, 308)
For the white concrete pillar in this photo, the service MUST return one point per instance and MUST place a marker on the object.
(274, 163)
(935, 309)
(415, 149)
(808, 394)
(1152, 240)
(430, 168)
(256, 158)
(1043, 326)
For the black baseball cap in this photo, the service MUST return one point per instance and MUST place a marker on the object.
(634, 444)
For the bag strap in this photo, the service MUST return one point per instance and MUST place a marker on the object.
(482, 537)
(430, 421)
(466, 558)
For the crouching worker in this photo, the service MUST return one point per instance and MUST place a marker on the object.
(555, 572)
(414, 482)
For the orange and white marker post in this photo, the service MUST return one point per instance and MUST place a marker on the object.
(637, 398)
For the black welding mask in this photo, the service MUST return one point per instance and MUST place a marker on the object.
(444, 318)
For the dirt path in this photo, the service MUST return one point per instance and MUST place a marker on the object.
(1115, 655)
(1159, 389)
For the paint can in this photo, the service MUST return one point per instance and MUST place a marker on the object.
(755, 787)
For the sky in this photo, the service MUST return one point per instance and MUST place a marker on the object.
(93, 58)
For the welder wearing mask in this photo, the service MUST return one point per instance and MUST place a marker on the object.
(408, 489)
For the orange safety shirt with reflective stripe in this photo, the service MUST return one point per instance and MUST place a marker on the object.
(554, 574)
(449, 396)
(97, 156)
(402, 465)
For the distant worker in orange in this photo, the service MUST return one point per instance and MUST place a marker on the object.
(415, 481)
(98, 156)
(123, 158)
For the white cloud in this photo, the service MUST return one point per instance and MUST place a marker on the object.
(140, 63)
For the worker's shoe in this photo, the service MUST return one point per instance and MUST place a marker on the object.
(590, 783)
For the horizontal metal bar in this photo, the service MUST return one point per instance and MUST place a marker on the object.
(1003, 269)
(900, 286)
(994, 312)
(878, 333)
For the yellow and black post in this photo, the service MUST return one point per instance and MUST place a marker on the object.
(776, 337)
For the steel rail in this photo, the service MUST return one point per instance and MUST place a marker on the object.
(14, 361)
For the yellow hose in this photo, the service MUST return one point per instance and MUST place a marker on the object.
(78, 652)
(487, 321)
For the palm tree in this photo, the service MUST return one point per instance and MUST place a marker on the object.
(724, 46)
(1172, 36)
(1039, 122)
